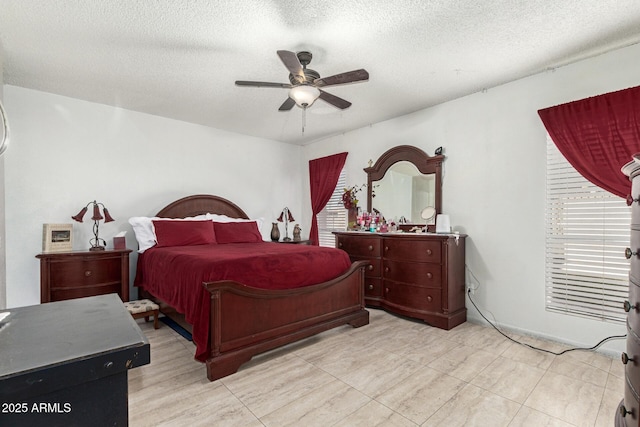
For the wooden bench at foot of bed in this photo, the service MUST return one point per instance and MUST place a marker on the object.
(247, 321)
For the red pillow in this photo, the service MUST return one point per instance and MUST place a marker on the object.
(237, 232)
(184, 233)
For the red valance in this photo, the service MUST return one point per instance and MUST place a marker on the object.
(598, 135)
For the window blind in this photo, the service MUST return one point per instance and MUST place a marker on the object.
(334, 216)
(587, 231)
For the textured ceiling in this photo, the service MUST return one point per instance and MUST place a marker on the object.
(179, 59)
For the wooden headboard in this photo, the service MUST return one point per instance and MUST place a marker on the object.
(200, 204)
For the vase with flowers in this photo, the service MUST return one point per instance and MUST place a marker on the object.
(350, 203)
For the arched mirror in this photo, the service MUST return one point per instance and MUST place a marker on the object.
(405, 185)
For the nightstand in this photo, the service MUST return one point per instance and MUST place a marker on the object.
(68, 275)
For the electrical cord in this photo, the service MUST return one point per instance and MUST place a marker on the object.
(613, 337)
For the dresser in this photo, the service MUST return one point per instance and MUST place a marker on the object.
(629, 409)
(67, 275)
(415, 275)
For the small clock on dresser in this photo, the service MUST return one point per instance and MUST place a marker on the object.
(77, 274)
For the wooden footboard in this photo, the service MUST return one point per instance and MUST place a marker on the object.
(246, 321)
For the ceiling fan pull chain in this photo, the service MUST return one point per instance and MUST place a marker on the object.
(304, 118)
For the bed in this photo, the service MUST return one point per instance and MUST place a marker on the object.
(242, 318)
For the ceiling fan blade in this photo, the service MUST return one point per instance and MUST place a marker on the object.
(334, 100)
(290, 60)
(339, 79)
(262, 84)
(287, 105)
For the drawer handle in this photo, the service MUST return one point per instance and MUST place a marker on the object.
(370, 287)
(623, 411)
(387, 269)
(339, 244)
(429, 252)
(87, 273)
(627, 306)
(625, 358)
(429, 298)
(370, 267)
(386, 248)
(370, 247)
(386, 290)
(429, 275)
(108, 365)
(630, 199)
(628, 253)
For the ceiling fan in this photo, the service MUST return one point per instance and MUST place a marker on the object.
(306, 84)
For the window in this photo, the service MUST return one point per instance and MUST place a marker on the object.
(334, 216)
(587, 231)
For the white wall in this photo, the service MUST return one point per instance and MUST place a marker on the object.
(66, 152)
(494, 183)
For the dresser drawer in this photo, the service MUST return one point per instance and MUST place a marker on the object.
(631, 404)
(633, 315)
(632, 367)
(360, 246)
(635, 248)
(372, 269)
(59, 294)
(415, 297)
(408, 249)
(85, 272)
(372, 287)
(424, 274)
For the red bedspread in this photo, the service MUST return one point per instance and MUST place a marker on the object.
(176, 274)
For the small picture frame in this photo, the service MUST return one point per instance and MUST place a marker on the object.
(57, 237)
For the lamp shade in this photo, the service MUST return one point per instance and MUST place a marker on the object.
(304, 95)
(96, 213)
(107, 216)
(78, 217)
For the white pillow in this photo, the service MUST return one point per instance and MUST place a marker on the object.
(225, 218)
(145, 232)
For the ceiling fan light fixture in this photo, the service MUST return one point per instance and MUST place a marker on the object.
(304, 95)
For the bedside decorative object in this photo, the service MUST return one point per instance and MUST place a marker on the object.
(57, 237)
(286, 216)
(296, 233)
(275, 232)
(97, 244)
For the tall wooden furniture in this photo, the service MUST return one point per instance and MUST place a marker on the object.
(66, 275)
(629, 409)
(66, 363)
(416, 275)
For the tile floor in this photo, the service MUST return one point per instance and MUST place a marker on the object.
(392, 372)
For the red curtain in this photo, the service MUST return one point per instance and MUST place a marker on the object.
(323, 178)
(598, 136)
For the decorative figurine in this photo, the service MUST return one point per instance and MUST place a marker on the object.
(296, 233)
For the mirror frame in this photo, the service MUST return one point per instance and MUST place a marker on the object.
(422, 161)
